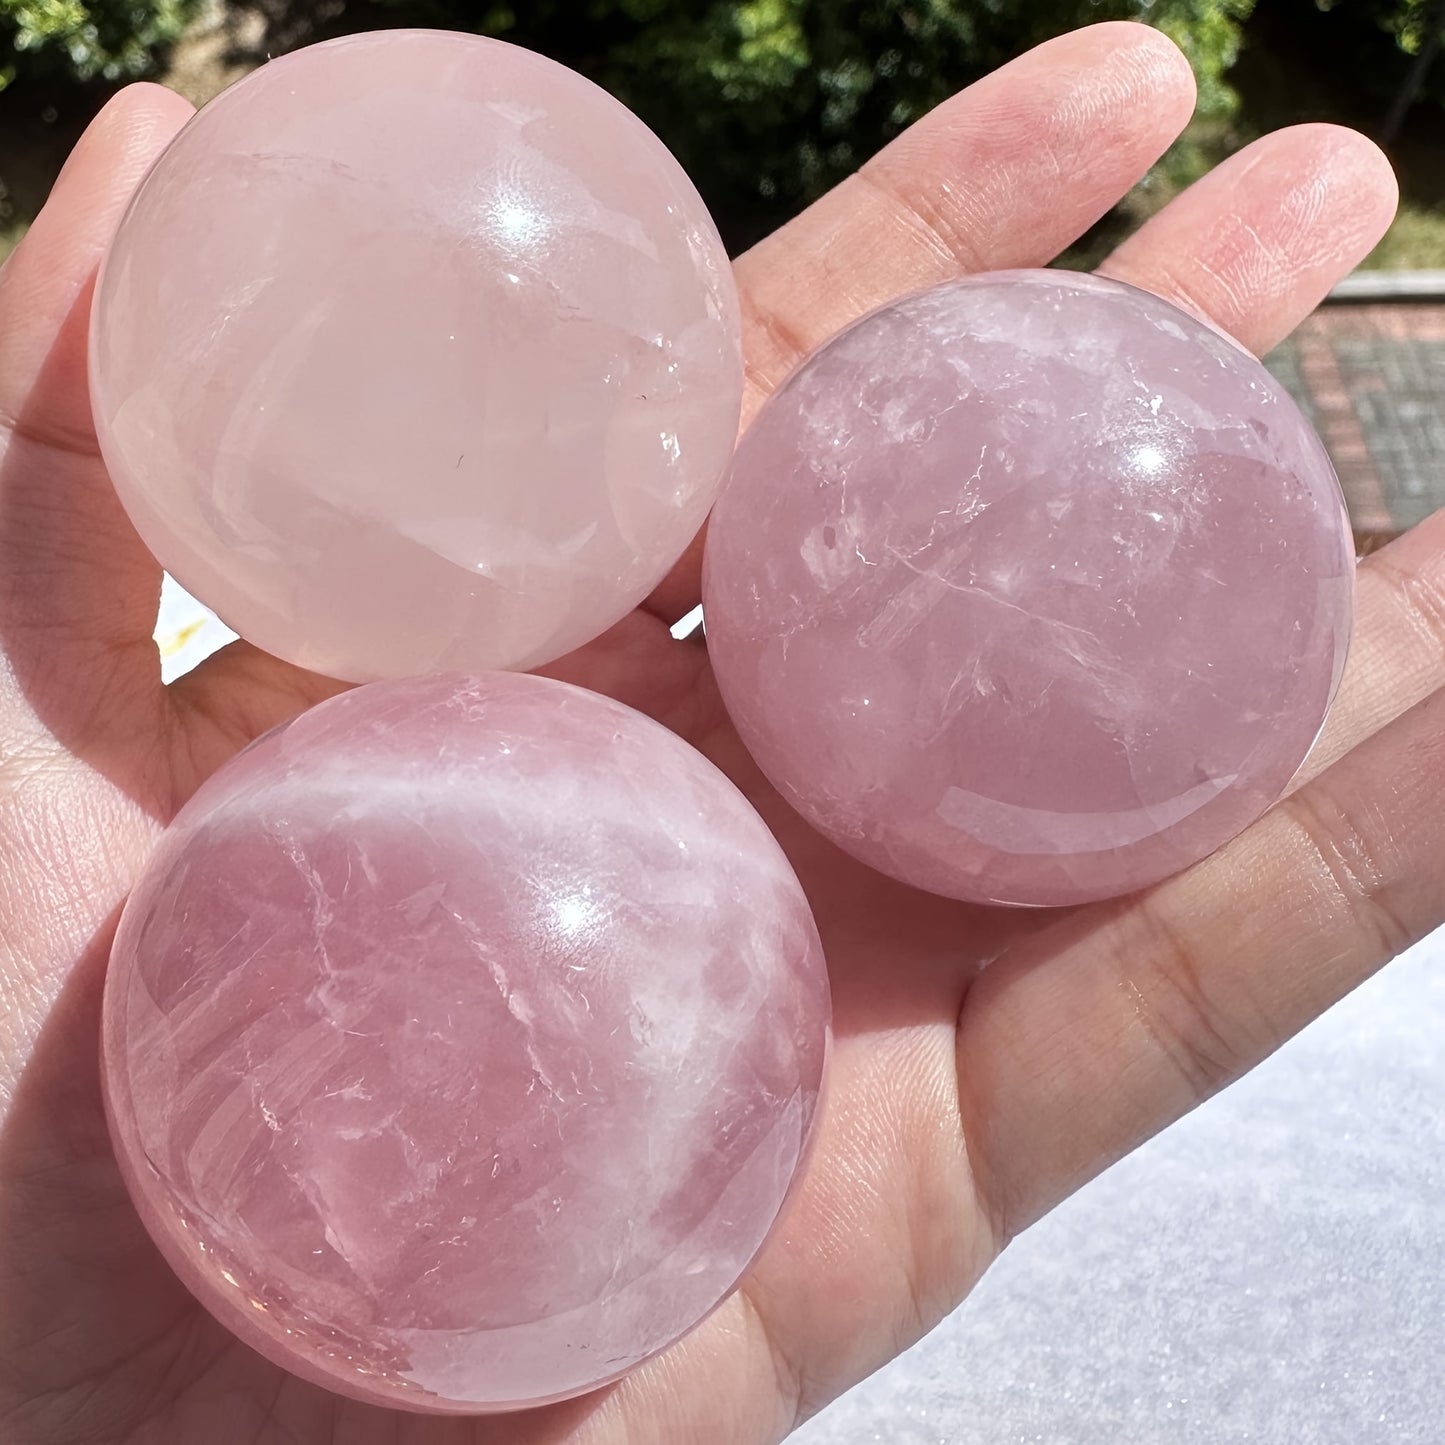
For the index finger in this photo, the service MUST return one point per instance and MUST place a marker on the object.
(1006, 173)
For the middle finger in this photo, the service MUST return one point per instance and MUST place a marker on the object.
(1006, 173)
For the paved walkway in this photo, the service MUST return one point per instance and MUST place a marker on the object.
(1371, 376)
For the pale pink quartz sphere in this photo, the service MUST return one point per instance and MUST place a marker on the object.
(416, 351)
(1030, 589)
(461, 1041)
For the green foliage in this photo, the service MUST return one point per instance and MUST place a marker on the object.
(1416, 242)
(1348, 61)
(87, 39)
(1210, 33)
(1410, 22)
(769, 102)
(776, 100)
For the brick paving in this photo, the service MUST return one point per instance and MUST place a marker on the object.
(1371, 376)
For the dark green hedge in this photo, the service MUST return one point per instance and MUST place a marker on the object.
(88, 39)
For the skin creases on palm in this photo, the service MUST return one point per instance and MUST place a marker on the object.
(986, 1063)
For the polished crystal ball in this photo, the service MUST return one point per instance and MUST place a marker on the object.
(461, 1041)
(1030, 589)
(416, 351)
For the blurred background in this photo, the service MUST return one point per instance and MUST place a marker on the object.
(768, 102)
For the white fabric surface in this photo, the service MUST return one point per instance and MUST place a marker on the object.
(1270, 1269)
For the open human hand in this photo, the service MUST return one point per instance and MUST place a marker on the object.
(987, 1063)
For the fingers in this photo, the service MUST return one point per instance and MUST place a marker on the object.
(44, 285)
(1066, 1049)
(72, 571)
(1006, 173)
(1397, 653)
(1108, 1026)
(1083, 1043)
(1255, 246)
(1090, 1034)
(1139, 1010)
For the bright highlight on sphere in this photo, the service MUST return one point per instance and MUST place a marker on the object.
(416, 351)
(462, 1040)
(1030, 589)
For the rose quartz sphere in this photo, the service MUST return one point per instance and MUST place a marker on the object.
(416, 351)
(461, 1041)
(1030, 589)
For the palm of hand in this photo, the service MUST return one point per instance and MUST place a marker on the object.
(965, 1101)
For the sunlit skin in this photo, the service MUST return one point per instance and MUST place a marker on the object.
(987, 1064)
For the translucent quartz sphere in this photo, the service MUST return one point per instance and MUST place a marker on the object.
(1030, 589)
(416, 351)
(461, 1041)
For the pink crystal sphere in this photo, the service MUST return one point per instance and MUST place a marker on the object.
(417, 351)
(1030, 589)
(462, 1039)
